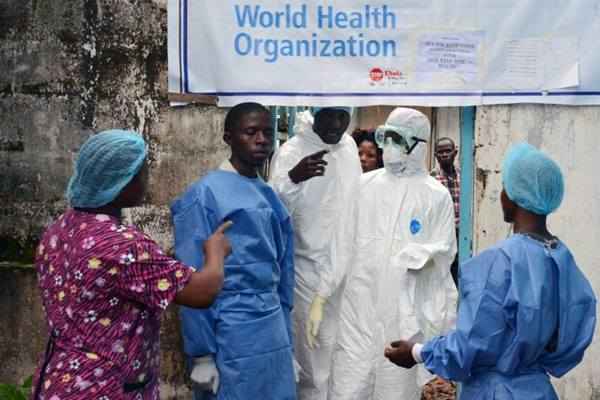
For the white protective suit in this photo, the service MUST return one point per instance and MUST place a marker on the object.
(400, 286)
(324, 217)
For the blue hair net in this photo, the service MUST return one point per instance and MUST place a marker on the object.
(532, 180)
(106, 163)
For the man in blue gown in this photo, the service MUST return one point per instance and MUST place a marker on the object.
(526, 309)
(240, 348)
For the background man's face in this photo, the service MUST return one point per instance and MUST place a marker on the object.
(252, 138)
(445, 154)
(330, 124)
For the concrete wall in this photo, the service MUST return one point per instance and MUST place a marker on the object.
(68, 69)
(570, 136)
(447, 123)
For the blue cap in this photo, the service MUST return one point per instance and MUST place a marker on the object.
(106, 163)
(532, 179)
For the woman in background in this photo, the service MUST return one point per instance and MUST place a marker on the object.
(369, 153)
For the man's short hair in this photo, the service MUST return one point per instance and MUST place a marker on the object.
(445, 139)
(238, 111)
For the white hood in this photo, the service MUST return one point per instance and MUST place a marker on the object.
(395, 158)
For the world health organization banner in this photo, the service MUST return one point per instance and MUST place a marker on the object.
(399, 52)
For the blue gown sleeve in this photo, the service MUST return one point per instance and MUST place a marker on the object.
(193, 224)
(480, 335)
(287, 278)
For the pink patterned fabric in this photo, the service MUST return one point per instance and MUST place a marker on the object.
(103, 286)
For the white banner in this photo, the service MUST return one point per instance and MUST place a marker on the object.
(400, 52)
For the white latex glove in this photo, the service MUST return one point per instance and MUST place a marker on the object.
(297, 370)
(205, 374)
(315, 316)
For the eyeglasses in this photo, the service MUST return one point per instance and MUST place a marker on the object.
(398, 136)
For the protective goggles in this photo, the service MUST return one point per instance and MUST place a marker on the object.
(403, 138)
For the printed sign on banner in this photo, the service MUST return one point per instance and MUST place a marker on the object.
(449, 59)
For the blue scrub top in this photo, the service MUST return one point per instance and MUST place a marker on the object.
(248, 329)
(526, 311)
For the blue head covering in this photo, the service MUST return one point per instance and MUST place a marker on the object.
(532, 180)
(106, 163)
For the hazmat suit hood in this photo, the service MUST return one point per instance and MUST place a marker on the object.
(303, 126)
(414, 127)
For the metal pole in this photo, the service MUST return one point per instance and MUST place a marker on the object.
(467, 153)
(275, 123)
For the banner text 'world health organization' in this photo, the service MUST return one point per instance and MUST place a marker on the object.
(314, 25)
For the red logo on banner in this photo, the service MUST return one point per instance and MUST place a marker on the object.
(376, 74)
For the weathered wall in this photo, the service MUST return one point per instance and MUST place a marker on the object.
(570, 136)
(68, 69)
(23, 333)
(447, 123)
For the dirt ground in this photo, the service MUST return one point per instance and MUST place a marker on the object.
(439, 389)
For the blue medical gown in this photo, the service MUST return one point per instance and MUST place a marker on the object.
(247, 330)
(526, 311)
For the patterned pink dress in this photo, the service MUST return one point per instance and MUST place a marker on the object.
(104, 287)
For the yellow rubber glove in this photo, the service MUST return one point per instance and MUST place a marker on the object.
(315, 316)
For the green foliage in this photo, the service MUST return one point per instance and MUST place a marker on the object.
(15, 392)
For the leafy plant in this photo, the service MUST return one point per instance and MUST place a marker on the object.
(9, 391)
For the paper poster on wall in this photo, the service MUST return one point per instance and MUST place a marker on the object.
(524, 64)
(359, 53)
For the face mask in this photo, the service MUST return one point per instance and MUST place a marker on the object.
(395, 158)
(399, 163)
